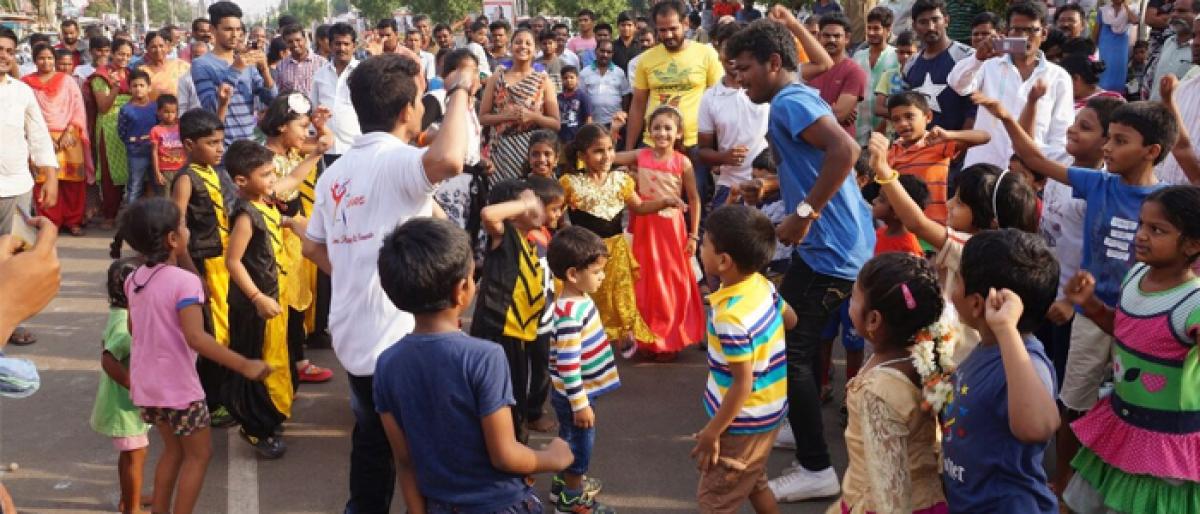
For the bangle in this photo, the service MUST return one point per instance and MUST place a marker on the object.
(694, 238)
(888, 179)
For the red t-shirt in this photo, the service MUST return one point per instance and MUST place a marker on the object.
(907, 243)
(844, 78)
(171, 156)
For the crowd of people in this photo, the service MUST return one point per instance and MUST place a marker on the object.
(1001, 229)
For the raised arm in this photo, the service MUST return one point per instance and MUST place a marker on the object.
(1033, 414)
(444, 158)
(964, 78)
(1023, 145)
(493, 216)
(819, 60)
(1184, 152)
(907, 210)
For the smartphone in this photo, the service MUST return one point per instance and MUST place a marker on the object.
(1012, 45)
(22, 230)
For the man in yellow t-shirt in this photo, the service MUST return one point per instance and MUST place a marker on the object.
(675, 72)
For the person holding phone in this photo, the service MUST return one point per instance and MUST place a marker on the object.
(26, 139)
(1006, 69)
(233, 62)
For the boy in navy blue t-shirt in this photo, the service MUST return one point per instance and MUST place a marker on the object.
(1140, 135)
(574, 106)
(1001, 413)
(445, 398)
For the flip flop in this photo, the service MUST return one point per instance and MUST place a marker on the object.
(22, 337)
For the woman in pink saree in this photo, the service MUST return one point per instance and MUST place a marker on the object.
(61, 100)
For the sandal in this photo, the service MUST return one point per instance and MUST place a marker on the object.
(314, 374)
(22, 337)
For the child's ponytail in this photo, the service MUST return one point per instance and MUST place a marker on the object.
(584, 139)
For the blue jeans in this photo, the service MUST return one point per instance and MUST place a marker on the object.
(139, 175)
(372, 470)
(579, 439)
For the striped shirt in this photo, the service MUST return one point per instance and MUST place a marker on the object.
(209, 72)
(931, 164)
(747, 326)
(581, 361)
(297, 76)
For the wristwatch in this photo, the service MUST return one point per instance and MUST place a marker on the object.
(806, 211)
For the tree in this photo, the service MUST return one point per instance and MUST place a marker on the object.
(606, 10)
(307, 11)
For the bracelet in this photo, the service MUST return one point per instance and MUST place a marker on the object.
(694, 238)
(888, 179)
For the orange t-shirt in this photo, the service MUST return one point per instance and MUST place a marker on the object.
(931, 164)
(907, 243)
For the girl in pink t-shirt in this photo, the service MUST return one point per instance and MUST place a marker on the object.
(165, 319)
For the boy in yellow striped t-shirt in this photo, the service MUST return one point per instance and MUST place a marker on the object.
(746, 394)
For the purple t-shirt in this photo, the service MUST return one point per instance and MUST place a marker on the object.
(844, 78)
(162, 367)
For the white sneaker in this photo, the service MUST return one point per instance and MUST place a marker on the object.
(784, 438)
(791, 468)
(803, 484)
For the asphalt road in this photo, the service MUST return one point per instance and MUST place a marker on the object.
(641, 453)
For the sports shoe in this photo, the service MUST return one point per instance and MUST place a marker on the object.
(784, 438)
(221, 418)
(591, 487)
(580, 505)
(802, 484)
(268, 448)
(314, 374)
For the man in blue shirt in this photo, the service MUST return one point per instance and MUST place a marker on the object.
(927, 71)
(231, 63)
(829, 223)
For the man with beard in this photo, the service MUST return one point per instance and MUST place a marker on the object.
(1174, 55)
(605, 84)
(443, 37)
(563, 33)
(877, 58)
(1187, 99)
(844, 85)
(68, 35)
(927, 71)
(425, 26)
(230, 62)
(675, 73)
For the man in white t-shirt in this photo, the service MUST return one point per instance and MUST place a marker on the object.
(605, 84)
(732, 130)
(378, 184)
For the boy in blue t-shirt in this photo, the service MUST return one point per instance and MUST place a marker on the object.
(1001, 412)
(134, 122)
(444, 427)
(1140, 135)
(574, 106)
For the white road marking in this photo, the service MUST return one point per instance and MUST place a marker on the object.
(242, 485)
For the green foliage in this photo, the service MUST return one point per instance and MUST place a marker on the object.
(307, 11)
(606, 10)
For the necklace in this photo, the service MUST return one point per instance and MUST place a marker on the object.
(137, 288)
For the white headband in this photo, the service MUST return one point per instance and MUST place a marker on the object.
(995, 193)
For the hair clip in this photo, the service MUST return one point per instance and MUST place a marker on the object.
(909, 301)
